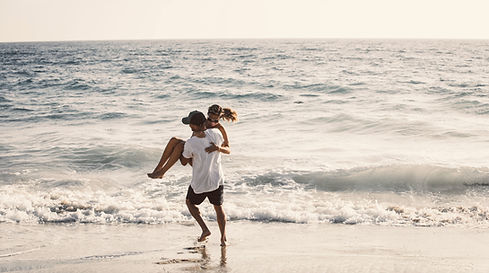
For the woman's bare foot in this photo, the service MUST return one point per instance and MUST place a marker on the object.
(154, 175)
(204, 235)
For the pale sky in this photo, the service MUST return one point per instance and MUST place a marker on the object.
(59, 20)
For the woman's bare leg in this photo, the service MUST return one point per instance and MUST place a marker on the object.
(169, 149)
(173, 158)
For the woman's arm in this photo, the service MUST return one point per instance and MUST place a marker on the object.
(224, 135)
(214, 147)
(224, 149)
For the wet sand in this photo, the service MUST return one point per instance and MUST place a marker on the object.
(254, 247)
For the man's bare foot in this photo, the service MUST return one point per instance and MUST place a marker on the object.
(223, 241)
(204, 235)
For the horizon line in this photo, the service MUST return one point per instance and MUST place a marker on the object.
(246, 38)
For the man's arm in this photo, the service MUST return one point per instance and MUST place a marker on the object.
(184, 161)
(186, 156)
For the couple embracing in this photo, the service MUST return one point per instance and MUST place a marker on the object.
(203, 151)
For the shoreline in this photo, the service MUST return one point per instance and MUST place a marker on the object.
(253, 247)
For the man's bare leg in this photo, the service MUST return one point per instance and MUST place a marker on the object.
(194, 211)
(221, 221)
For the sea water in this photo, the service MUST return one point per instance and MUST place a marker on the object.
(376, 132)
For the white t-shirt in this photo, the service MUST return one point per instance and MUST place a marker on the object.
(207, 174)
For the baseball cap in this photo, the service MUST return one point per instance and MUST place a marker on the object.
(195, 118)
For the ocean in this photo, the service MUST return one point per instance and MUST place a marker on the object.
(349, 132)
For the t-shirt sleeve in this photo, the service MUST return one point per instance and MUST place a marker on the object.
(218, 137)
(187, 150)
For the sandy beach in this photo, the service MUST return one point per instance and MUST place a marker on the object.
(254, 247)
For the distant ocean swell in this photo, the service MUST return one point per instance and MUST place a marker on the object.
(331, 131)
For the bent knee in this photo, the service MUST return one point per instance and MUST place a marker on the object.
(176, 140)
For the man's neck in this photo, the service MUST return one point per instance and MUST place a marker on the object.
(199, 134)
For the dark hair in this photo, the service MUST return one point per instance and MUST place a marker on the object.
(223, 113)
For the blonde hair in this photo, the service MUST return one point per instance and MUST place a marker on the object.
(229, 115)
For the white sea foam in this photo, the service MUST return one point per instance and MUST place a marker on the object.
(272, 197)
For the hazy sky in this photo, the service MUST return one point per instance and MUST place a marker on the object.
(47, 20)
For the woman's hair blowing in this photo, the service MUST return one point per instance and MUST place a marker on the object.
(229, 115)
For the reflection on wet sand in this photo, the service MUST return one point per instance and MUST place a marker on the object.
(223, 257)
(198, 264)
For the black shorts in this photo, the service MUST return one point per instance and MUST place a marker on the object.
(215, 197)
